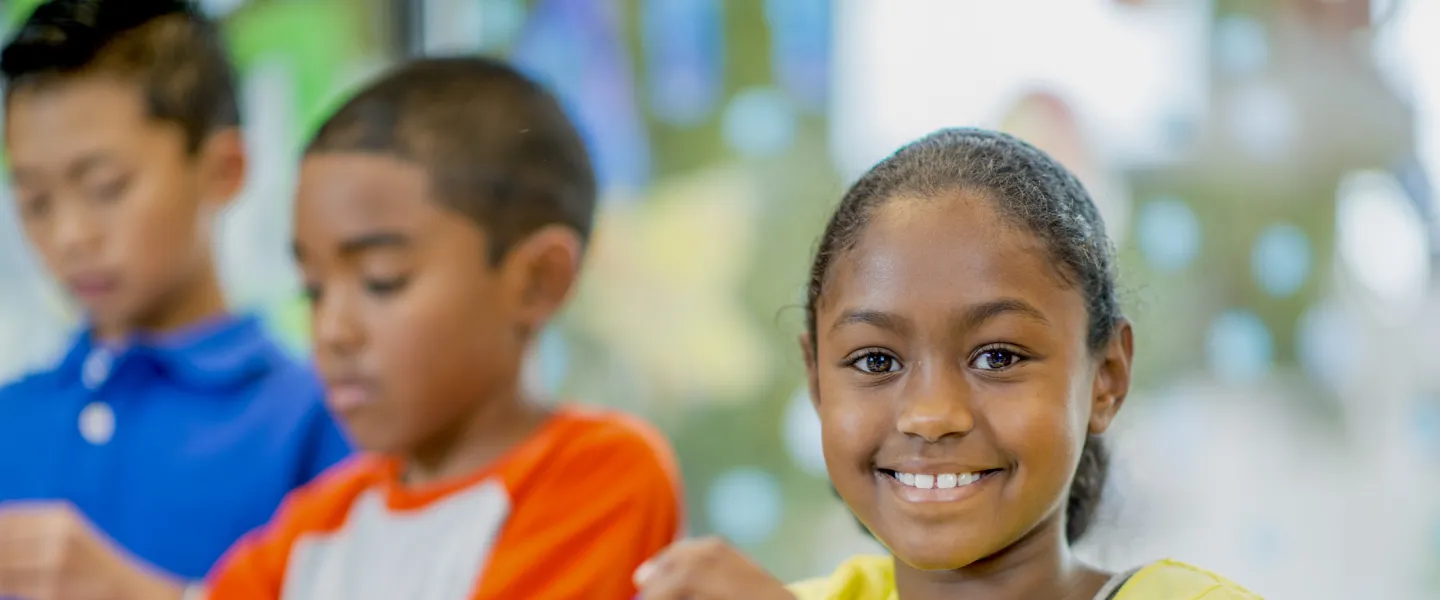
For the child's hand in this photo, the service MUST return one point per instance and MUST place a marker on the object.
(48, 551)
(706, 569)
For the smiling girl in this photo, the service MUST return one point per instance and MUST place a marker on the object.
(965, 351)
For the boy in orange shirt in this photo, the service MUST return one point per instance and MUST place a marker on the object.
(440, 221)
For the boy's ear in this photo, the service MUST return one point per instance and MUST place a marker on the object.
(223, 167)
(812, 377)
(1112, 379)
(539, 273)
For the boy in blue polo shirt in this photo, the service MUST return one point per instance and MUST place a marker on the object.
(172, 427)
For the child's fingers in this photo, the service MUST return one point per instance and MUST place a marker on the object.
(647, 571)
(665, 588)
(669, 582)
(704, 569)
(674, 574)
(643, 573)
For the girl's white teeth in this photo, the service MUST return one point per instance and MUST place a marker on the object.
(942, 481)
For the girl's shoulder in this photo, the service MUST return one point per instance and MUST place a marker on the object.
(872, 578)
(858, 578)
(1174, 580)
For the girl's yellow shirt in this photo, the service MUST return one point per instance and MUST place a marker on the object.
(873, 578)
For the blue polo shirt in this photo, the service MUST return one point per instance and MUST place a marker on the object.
(175, 446)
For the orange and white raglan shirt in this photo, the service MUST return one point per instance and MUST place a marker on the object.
(569, 513)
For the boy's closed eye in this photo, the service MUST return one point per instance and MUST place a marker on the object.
(108, 189)
(384, 270)
(34, 206)
(101, 176)
(378, 286)
(380, 262)
(385, 286)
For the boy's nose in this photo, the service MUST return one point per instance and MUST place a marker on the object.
(74, 235)
(334, 325)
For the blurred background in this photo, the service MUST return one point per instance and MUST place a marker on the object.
(1265, 168)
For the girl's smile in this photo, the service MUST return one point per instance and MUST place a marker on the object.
(935, 484)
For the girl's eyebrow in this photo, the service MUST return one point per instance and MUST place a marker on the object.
(874, 318)
(966, 318)
(977, 315)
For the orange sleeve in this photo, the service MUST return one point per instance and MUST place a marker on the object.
(599, 509)
(254, 568)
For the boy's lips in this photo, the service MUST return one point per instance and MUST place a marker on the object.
(347, 394)
(92, 286)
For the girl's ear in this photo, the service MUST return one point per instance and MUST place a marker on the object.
(1112, 379)
(807, 349)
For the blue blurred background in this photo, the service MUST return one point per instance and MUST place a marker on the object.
(1264, 167)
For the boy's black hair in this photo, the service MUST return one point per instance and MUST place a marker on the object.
(1028, 187)
(498, 147)
(165, 46)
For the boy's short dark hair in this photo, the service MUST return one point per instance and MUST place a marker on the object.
(166, 46)
(498, 147)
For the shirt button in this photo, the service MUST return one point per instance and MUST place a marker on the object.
(97, 423)
(96, 369)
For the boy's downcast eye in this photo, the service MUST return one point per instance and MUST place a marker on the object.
(385, 287)
(35, 207)
(109, 191)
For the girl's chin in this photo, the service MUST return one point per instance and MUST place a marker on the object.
(947, 558)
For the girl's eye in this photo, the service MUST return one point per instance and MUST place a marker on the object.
(876, 362)
(995, 359)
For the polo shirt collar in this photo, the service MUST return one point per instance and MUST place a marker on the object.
(213, 355)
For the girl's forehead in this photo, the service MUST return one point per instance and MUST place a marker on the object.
(949, 250)
(959, 213)
(959, 234)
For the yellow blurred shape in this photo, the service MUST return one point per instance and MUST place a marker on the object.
(663, 284)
